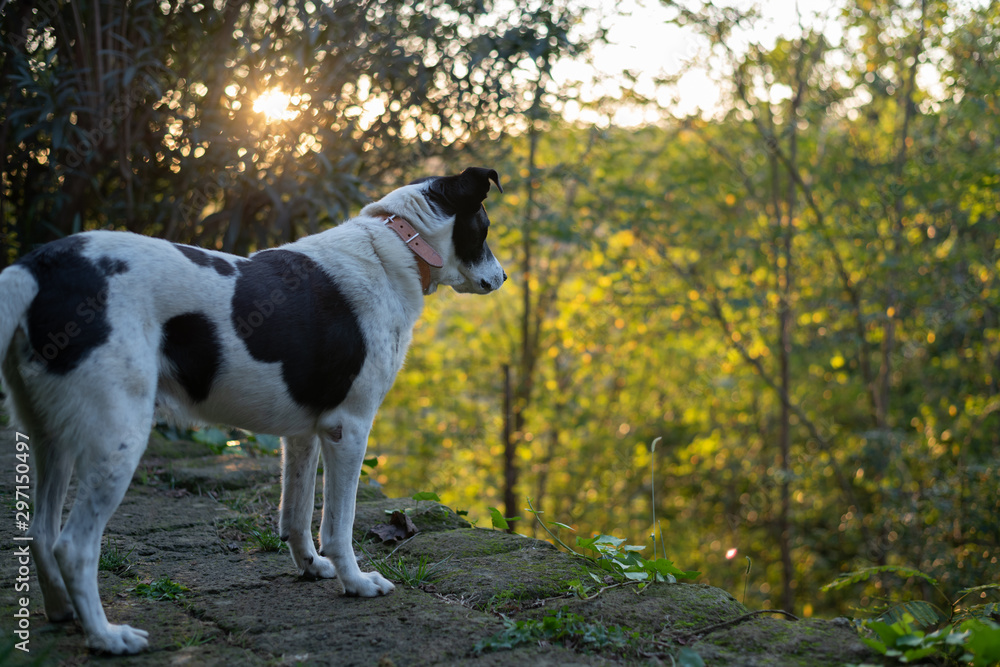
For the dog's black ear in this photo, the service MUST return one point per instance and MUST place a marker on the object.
(467, 190)
(483, 177)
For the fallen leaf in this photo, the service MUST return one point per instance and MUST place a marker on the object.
(399, 528)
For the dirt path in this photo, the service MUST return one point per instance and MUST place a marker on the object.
(205, 522)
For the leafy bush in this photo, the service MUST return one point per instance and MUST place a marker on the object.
(913, 630)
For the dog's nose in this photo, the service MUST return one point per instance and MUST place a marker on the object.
(505, 276)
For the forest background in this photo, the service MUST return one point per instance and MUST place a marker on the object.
(797, 292)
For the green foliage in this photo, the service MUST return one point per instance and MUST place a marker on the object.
(656, 270)
(231, 440)
(500, 522)
(419, 574)
(851, 578)
(115, 559)
(615, 556)
(914, 630)
(214, 438)
(265, 539)
(161, 589)
(973, 642)
(562, 627)
(141, 116)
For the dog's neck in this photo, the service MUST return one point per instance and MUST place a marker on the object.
(426, 255)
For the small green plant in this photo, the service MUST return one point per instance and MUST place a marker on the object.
(161, 589)
(913, 630)
(414, 576)
(115, 559)
(504, 602)
(617, 558)
(562, 627)
(197, 639)
(500, 522)
(266, 539)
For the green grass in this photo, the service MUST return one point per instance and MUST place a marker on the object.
(115, 559)
(161, 589)
(562, 627)
(266, 539)
(197, 639)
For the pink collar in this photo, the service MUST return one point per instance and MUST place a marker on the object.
(426, 255)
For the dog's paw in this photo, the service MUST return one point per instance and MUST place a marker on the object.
(318, 567)
(368, 585)
(119, 640)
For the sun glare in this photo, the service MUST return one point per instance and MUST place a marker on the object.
(274, 104)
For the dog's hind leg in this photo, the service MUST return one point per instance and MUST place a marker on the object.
(110, 452)
(342, 459)
(299, 457)
(54, 467)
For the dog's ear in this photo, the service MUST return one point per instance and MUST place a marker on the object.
(482, 177)
(466, 191)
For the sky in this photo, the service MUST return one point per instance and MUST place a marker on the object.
(642, 41)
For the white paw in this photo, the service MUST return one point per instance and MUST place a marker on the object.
(368, 585)
(119, 640)
(318, 567)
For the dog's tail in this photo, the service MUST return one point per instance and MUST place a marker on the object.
(17, 290)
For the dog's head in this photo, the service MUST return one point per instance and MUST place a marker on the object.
(448, 212)
(462, 196)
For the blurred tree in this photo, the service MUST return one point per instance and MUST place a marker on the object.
(727, 284)
(241, 123)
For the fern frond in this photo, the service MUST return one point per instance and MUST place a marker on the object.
(924, 614)
(851, 578)
(978, 589)
(990, 611)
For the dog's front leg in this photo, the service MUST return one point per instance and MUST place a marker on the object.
(299, 456)
(342, 459)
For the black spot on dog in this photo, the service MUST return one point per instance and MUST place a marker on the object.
(202, 258)
(287, 310)
(191, 343)
(122, 447)
(68, 318)
(309, 560)
(112, 267)
(284, 538)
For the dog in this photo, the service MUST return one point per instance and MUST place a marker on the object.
(101, 330)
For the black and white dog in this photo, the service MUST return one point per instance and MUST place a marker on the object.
(99, 330)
